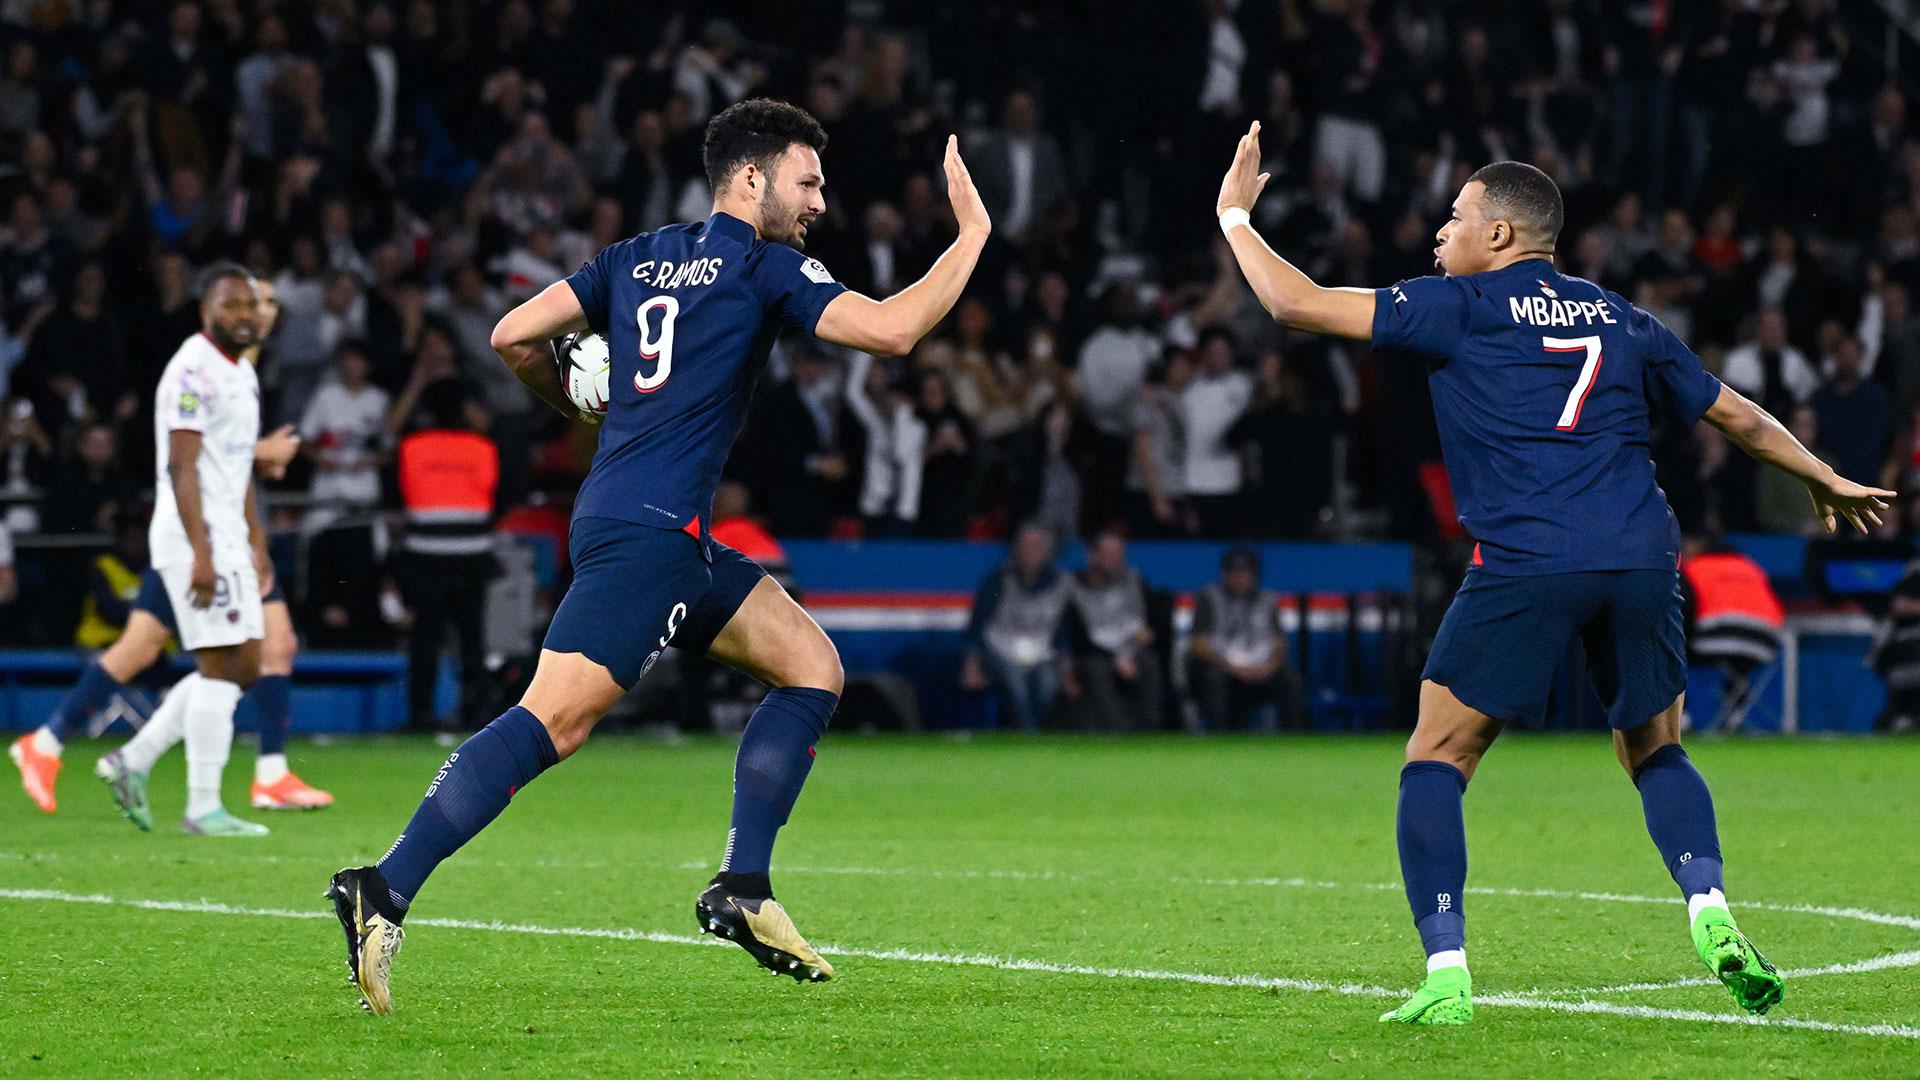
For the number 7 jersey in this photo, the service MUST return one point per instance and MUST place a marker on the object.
(690, 313)
(1543, 391)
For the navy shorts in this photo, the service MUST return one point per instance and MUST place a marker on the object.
(153, 598)
(637, 589)
(1504, 637)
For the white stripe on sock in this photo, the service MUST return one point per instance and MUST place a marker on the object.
(1446, 958)
(1700, 901)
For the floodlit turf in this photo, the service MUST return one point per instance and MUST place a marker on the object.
(1104, 895)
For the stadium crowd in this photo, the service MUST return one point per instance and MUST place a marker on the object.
(403, 171)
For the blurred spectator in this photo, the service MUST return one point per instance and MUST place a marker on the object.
(1780, 501)
(1292, 440)
(1020, 169)
(1157, 467)
(1855, 414)
(1112, 366)
(1734, 624)
(1210, 404)
(26, 454)
(1897, 655)
(795, 449)
(344, 433)
(1117, 672)
(32, 262)
(449, 476)
(1768, 369)
(12, 626)
(113, 584)
(77, 365)
(1016, 634)
(1238, 667)
(896, 439)
(94, 492)
(950, 457)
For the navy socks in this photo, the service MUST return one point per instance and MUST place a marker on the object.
(776, 753)
(469, 791)
(271, 694)
(87, 697)
(1433, 851)
(1680, 819)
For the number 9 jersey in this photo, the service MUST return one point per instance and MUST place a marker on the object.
(690, 313)
(1543, 390)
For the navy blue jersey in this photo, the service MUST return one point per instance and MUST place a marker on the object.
(690, 313)
(1543, 388)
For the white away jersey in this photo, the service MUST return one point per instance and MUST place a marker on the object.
(204, 390)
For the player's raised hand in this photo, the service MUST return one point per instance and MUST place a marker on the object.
(1837, 497)
(1244, 180)
(968, 210)
(275, 451)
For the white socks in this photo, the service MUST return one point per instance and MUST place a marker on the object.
(44, 742)
(1698, 901)
(269, 768)
(165, 728)
(209, 729)
(1448, 958)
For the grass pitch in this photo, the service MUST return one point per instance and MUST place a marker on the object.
(995, 907)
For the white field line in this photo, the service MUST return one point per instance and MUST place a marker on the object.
(1002, 963)
(1877, 963)
(1909, 922)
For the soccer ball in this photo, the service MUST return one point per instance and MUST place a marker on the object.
(584, 364)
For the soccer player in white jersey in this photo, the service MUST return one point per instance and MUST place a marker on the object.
(207, 542)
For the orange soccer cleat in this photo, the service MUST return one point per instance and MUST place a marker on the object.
(38, 771)
(289, 793)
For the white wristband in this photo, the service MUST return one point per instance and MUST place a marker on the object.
(1231, 218)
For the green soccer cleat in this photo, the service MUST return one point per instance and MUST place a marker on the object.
(128, 788)
(1756, 984)
(1445, 998)
(220, 823)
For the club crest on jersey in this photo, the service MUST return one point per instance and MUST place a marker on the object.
(1548, 289)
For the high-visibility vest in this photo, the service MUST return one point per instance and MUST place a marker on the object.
(94, 631)
(1735, 610)
(447, 483)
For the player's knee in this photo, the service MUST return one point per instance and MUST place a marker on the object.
(277, 653)
(127, 658)
(567, 728)
(1454, 747)
(816, 665)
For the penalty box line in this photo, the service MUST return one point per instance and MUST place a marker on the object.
(998, 963)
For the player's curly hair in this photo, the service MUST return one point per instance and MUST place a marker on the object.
(756, 130)
(1524, 196)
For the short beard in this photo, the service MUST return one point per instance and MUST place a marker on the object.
(222, 338)
(770, 207)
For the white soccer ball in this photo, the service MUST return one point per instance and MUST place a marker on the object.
(584, 365)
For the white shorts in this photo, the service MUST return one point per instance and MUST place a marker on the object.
(233, 617)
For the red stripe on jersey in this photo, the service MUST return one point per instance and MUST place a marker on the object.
(692, 528)
(1476, 555)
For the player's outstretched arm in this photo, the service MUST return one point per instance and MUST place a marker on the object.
(1754, 430)
(892, 327)
(523, 337)
(1290, 296)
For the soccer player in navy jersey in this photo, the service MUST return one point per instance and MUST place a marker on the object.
(690, 313)
(1542, 389)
